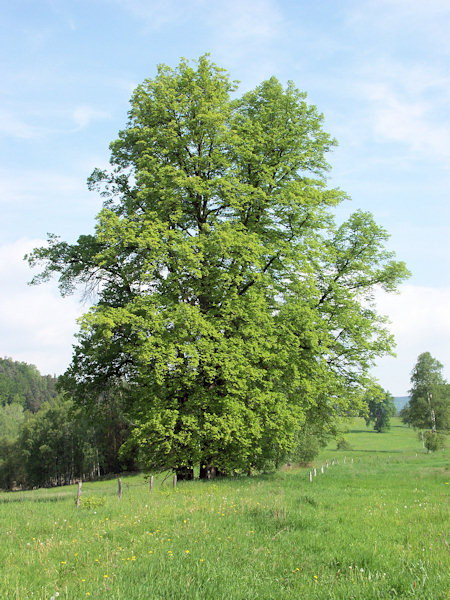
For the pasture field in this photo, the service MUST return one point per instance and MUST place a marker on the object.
(374, 527)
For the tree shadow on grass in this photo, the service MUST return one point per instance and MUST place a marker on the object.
(363, 431)
(374, 451)
(13, 499)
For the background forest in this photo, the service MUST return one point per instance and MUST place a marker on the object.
(46, 440)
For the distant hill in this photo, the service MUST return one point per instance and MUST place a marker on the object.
(400, 402)
(22, 383)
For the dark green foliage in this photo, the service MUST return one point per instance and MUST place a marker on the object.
(307, 447)
(51, 444)
(405, 415)
(11, 460)
(343, 444)
(434, 441)
(380, 408)
(62, 443)
(12, 471)
(59, 443)
(11, 418)
(107, 428)
(232, 310)
(22, 384)
(429, 406)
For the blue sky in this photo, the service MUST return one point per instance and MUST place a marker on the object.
(378, 70)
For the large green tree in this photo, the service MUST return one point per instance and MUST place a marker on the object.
(429, 404)
(231, 310)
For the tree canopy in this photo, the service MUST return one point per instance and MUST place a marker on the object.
(429, 405)
(380, 408)
(60, 441)
(22, 384)
(230, 309)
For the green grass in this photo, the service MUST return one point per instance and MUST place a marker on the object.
(371, 528)
(398, 439)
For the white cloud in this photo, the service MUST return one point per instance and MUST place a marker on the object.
(411, 118)
(235, 32)
(83, 115)
(427, 21)
(247, 37)
(399, 76)
(37, 123)
(253, 20)
(35, 185)
(420, 322)
(36, 324)
(159, 12)
(15, 127)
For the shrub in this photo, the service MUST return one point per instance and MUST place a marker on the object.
(307, 447)
(434, 441)
(91, 502)
(343, 444)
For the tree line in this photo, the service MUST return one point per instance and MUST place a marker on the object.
(61, 442)
(22, 384)
(57, 442)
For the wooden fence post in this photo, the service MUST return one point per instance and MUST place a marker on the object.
(119, 491)
(310, 476)
(175, 481)
(78, 495)
(151, 484)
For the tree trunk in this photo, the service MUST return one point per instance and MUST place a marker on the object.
(185, 473)
(207, 470)
(432, 413)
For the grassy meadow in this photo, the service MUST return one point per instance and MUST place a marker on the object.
(372, 527)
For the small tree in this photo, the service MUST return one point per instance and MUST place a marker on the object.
(380, 408)
(434, 441)
(405, 415)
(307, 447)
(429, 405)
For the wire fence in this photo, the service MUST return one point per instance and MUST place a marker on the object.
(93, 488)
(119, 485)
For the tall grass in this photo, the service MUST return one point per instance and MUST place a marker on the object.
(371, 528)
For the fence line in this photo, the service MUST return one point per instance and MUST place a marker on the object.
(62, 492)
